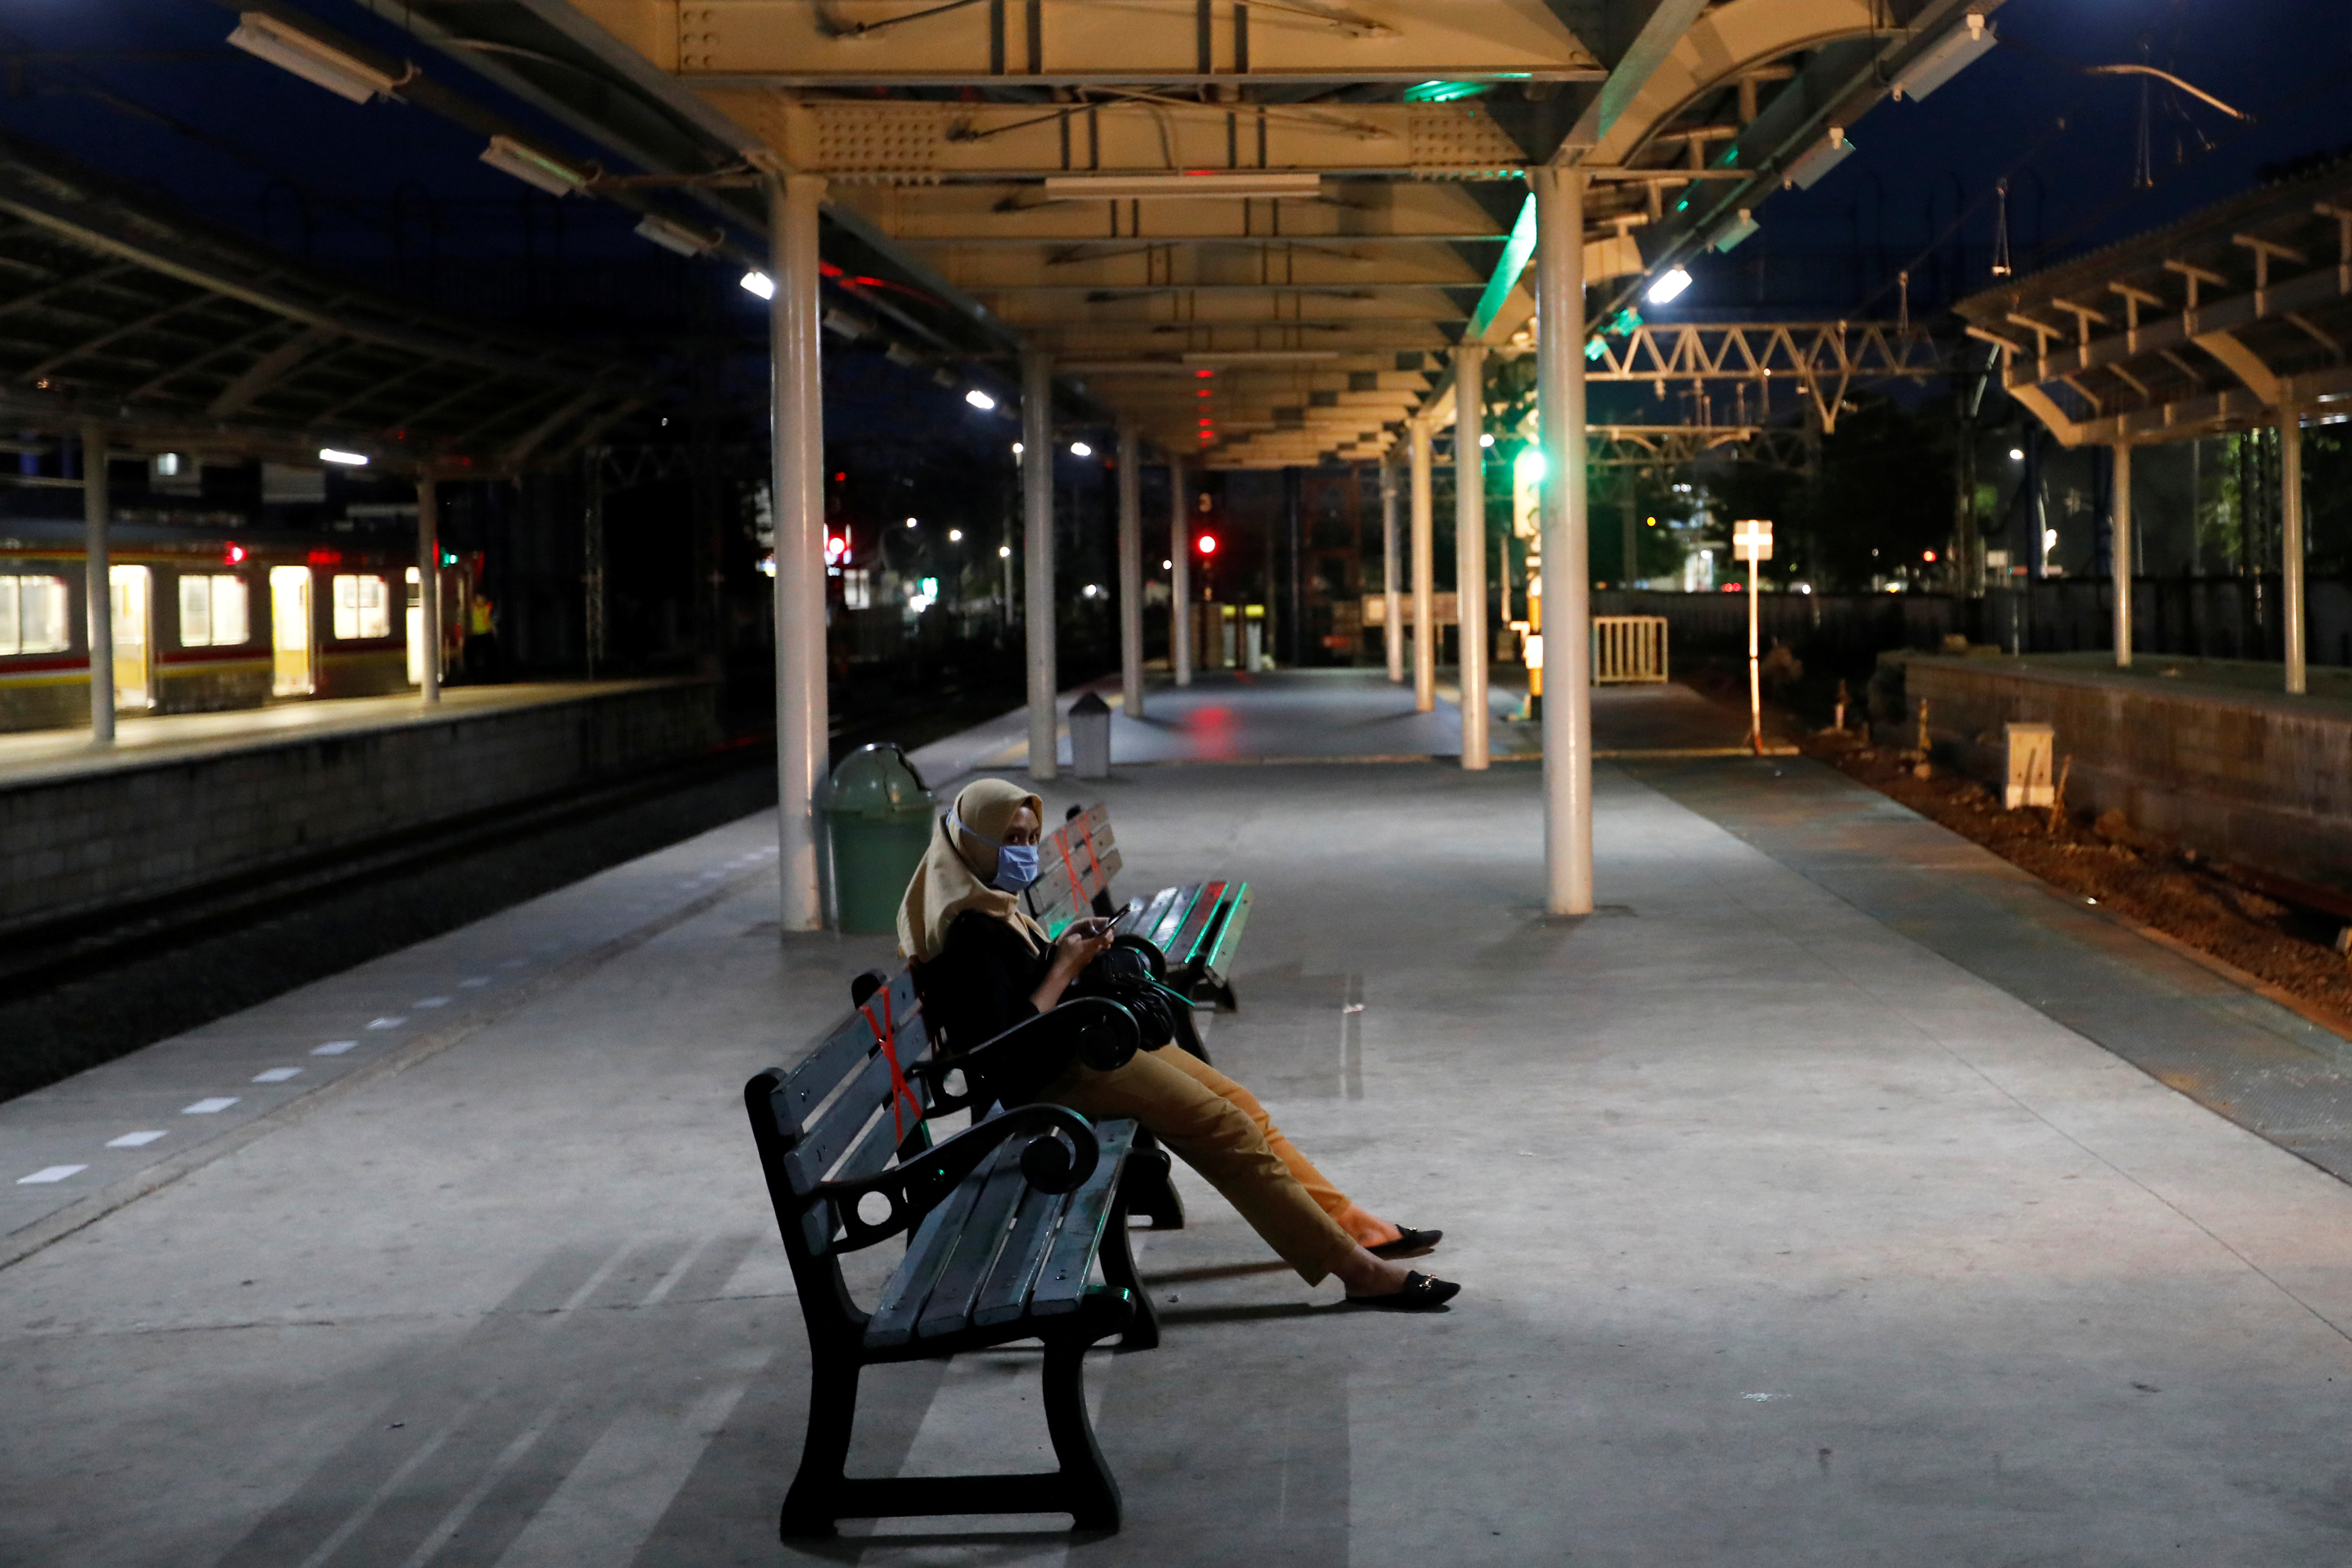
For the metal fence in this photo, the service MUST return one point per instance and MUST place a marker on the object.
(1628, 648)
(2196, 617)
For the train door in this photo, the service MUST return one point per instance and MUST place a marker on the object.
(134, 598)
(290, 632)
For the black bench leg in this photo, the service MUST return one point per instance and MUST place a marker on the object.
(1118, 1271)
(1146, 1188)
(1092, 1493)
(813, 1503)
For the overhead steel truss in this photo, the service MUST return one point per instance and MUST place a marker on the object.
(117, 306)
(2204, 326)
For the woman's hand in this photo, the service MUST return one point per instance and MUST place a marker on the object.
(1073, 951)
(1081, 944)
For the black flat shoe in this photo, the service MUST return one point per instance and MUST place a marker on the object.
(1411, 1244)
(1420, 1294)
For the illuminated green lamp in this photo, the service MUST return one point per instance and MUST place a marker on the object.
(1443, 91)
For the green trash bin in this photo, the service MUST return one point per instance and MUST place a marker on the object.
(877, 817)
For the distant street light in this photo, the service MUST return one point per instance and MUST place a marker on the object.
(955, 536)
(2017, 454)
(980, 400)
(759, 283)
(1080, 449)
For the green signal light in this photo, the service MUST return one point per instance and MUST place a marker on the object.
(1443, 91)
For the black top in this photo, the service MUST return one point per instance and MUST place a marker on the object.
(979, 985)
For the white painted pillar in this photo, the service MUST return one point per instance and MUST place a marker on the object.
(2119, 554)
(1179, 571)
(1425, 589)
(1470, 547)
(797, 444)
(429, 588)
(98, 599)
(1567, 570)
(1037, 506)
(1130, 570)
(1392, 611)
(2291, 536)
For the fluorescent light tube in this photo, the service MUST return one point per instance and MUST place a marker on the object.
(1670, 283)
(266, 38)
(533, 167)
(671, 235)
(1957, 49)
(343, 459)
(1807, 171)
(1208, 183)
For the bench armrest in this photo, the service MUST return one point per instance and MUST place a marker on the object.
(1062, 1152)
(1015, 1065)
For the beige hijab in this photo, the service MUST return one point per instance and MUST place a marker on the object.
(956, 871)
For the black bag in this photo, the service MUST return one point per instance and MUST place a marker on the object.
(1124, 976)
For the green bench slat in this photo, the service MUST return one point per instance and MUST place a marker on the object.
(1062, 1281)
(1219, 944)
(1172, 921)
(1004, 1295)
(972, 1252)
(823, 1145)
(902, 1300)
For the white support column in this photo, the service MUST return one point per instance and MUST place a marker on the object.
(428, 589)
(1425, 589)
(1179, 571)
(1038, 505)
(98, 599)
(1566, 571)
(798, 451)
(1470, 548)
(2119, 554)
(1130, 570)
(2291, 588)
(1392, 611)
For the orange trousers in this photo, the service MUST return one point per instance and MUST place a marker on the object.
(1368, 1229)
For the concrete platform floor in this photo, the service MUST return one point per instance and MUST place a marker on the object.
(1793, 1231)
(63, 753)
(1334, 715)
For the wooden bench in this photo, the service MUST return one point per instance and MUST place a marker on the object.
(1192, 930)
(1006, 1223)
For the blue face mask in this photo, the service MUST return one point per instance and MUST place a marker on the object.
(1017, 864)
(1016, 867)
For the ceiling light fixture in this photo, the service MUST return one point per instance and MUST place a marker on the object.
(266, 38)
(980, 400)
(533, 167)
(1957, 49)
(760, 283)
(343, 459)
(671, 235)
(1669, 285)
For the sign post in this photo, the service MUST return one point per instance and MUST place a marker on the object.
(1751, 541)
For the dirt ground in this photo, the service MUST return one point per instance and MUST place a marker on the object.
(2203, 904)
(2216, 909)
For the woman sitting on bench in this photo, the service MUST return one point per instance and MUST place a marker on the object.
(983, 966)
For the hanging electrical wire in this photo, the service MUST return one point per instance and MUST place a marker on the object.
(2001, 264)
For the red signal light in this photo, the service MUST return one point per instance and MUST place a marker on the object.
(1208, 544)
(837, 549)
(234, 555)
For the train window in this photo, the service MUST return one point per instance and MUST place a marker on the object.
(857, 589)
(214, 611)
(33, 615)
(362, 609)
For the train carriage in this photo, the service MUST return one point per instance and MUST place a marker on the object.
(204, 622)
